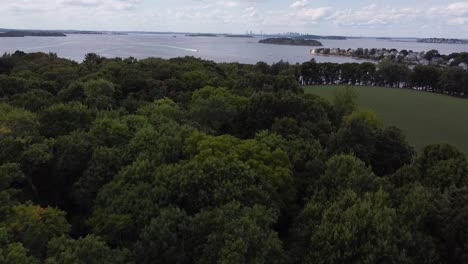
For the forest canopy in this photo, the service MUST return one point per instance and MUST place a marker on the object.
(190, 161)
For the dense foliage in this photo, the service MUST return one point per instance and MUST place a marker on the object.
(189, 161)
(449, 80)
(291, 41)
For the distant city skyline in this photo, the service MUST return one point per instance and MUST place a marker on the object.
(397, 18)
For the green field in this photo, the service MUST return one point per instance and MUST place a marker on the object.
(424, 117)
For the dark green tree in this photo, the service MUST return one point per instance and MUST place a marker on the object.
(167, 238)
(236, 234)
(216, 109)
(89, 249)
(34, 226)
(61, 119)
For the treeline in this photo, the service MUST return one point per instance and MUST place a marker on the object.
(190, 161)
(449, 80)
(291, 41)
(23, 33)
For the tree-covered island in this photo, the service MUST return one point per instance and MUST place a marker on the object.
(20, 33)
(291, 41)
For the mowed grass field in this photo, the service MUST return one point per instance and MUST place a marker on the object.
(425, 118)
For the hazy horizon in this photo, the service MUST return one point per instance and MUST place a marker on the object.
(397, 18)
(211, 32)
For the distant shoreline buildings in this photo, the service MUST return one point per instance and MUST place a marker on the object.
(443, 41)
(408, 57)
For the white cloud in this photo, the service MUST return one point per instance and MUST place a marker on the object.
(228, 3)
(250, 12)
(27, 6)
(313, 13)
(300, 4)
(80, 2)
(459, 8)
(63, 5)
(452, 14)
(106, 4)
(458, 21)
(372, 15)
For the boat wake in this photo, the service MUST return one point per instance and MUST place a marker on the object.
(48, 46)
(167, 46)
(180, 48)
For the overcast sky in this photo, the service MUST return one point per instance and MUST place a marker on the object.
(419, 18)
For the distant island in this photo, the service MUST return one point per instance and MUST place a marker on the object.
(320, 37)
(334, 38)
(443, 41)
(86, 32)
(31, 34)
(201, 35)
(239, 36)
(291, 41)
(95, 33)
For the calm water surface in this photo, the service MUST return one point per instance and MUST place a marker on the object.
(219, 49)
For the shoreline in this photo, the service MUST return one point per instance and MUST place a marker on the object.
(408, 57)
